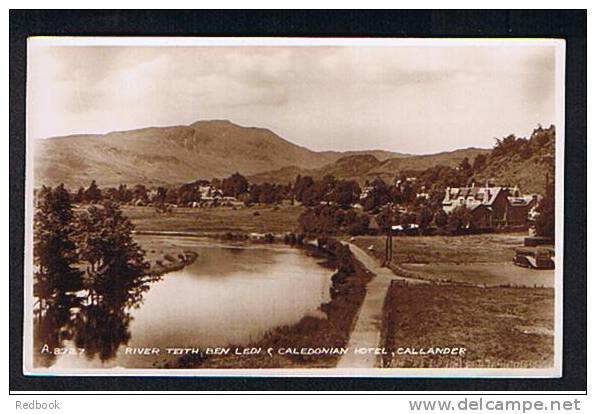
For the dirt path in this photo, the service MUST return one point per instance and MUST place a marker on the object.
(367, 330)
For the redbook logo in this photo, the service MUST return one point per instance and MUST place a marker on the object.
(37, 405)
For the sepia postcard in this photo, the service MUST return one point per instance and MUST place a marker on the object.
(294, 207)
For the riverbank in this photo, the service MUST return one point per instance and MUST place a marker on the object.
(164, 256)
(330, 329)
(492, 327)
(241, 223)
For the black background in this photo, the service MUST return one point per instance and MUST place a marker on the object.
(566, 24)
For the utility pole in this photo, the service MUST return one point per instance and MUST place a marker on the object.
(389, 238)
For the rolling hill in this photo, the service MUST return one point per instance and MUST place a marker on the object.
(173, 155)
(364, 167)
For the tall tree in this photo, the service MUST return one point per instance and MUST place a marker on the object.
(54, 251)
(424, 218)
(545, 222)
(234, 185)
(479, 162)
(116, 261)
(345, 193)
(92, 194)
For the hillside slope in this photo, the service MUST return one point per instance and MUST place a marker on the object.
(170, 155)
(521, 162)
(367, 167)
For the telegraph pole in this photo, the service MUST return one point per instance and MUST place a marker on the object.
(389, 238)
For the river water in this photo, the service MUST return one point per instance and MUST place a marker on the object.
(231, 295)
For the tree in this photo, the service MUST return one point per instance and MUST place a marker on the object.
(345, 193)
(268, 194)
(464, 164)
(302, 187)
(139, 192)
(160, 195)
(331, 220)
(234, 185)
(79, 196)
(54, 251)
(479, 162)
(92, 194)
(379, 195)
(508, 145)
(545, 222)
(188, 196)
(441, 219)
(459, 219)
(359, 226)
(387, 218)
(408, 195)
(424, 218)
(116, 262)
(124, 194)
(172, 196)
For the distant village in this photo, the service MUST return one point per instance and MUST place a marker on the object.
(442, 199)
(414, 209)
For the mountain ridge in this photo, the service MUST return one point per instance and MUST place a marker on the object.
(361, 168)
(176, 154)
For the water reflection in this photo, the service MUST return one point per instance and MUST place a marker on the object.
(99, 324)
(230, 295)
(54, 324)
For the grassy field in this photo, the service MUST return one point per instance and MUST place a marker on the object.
(498, 327)
(476, 259)
(481, 248)
(265, 219)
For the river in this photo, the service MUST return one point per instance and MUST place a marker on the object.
(231, 294)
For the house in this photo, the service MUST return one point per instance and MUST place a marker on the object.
(366, 191)
(521, 209)
(411, 228)
(490, 205)
(481, 215)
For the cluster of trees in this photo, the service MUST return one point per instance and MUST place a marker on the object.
(380, 193)
(332, 220)
(305, 189)
(267, 193)
(426, 219)
(329, 189)
(390, 217)
(431, 181)
(93, 252)
(99, 239)
(122, 194)
(522, 147)
(234, 185)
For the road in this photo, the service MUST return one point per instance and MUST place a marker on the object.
(367, 329)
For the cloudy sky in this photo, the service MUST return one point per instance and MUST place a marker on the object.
(408, 99)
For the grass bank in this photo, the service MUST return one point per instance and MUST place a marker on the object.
(332, 330)
(499, 327)
(164, 255)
